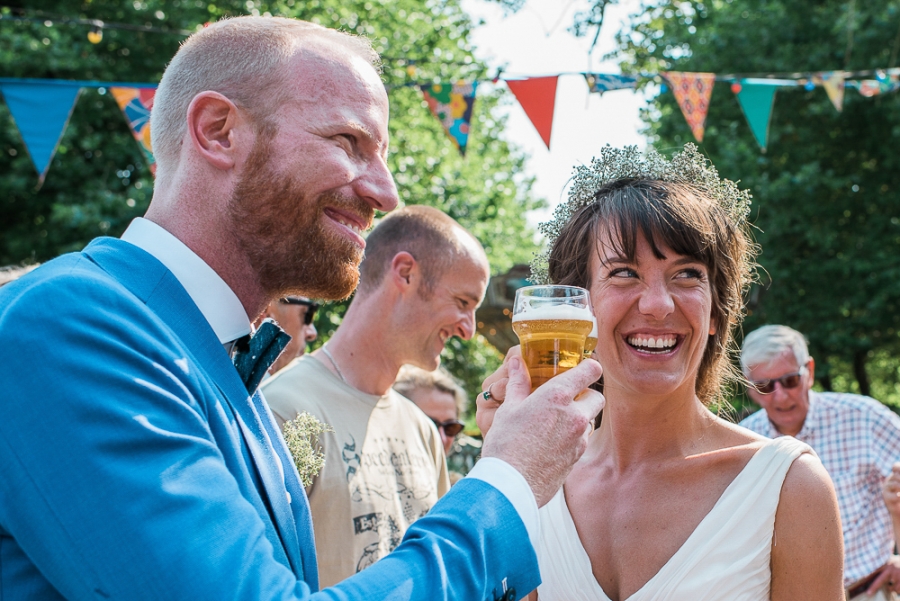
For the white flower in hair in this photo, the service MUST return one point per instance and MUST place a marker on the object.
(688, 167)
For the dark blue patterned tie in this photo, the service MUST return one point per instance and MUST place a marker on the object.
(255, 354)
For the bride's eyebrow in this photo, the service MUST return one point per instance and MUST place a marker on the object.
(607, 261)
(688, 260)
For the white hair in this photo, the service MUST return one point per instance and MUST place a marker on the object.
(766, 343)
(242, 58)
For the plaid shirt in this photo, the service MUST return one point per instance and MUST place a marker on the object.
(858, 440)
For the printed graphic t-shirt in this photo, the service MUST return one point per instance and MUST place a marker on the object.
(384, 465)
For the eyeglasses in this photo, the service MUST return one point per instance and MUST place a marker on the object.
(787, 381)
(311, 307)
(451, 427)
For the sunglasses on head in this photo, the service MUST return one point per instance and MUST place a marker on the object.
(451, 427)
(311, 307)
(787, 381)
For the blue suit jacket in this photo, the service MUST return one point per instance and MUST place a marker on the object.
(133, 464)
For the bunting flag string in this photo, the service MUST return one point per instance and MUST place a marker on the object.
(452, 104)
(41, 108)
(537, 95)
(136, 104)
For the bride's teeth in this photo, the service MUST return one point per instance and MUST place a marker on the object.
(652, 343)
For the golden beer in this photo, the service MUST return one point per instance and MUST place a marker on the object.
(590, 343)
(553, 340)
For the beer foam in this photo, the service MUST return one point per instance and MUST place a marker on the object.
(554, 312)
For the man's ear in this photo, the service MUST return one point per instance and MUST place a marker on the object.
(212, 121)
(404, 271)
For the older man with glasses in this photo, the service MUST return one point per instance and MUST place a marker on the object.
(856, 437)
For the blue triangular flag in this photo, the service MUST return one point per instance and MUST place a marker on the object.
(757, 102)
(605, 82)
(41, 112)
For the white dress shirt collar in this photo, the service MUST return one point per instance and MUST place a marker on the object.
(216, 301)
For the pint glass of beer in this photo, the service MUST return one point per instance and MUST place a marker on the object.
(552, 323)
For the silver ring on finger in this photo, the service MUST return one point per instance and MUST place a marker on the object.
(489, 396)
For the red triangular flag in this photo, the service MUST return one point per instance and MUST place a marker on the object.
(692, 92)
(537, 95)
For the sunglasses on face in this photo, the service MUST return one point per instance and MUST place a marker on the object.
(311, 307)
(451, 427)
(787, 381)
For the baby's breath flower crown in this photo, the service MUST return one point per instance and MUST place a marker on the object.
(688, 167)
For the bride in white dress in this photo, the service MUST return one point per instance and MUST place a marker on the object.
(670, 502)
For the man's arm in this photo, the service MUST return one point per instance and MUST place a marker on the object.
(118, 480)
(886, 450)
(890, 575)
(472, 545)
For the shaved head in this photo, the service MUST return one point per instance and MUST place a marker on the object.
(433, 238)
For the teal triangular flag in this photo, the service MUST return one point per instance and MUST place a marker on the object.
(41, 112)
(757, 101)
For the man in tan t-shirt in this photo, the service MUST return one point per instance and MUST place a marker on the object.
(421, 280)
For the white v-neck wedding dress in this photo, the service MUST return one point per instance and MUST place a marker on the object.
(725, 558)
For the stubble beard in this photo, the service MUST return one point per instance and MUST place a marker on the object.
(281, 232)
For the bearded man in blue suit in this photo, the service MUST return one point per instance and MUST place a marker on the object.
(135, 463)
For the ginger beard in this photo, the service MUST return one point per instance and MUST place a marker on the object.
(281, 231)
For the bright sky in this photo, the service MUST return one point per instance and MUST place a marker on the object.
(535, 41)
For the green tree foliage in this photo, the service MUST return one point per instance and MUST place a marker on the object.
(827, 191)
(99, 181)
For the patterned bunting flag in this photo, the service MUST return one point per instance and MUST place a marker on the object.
(604, 82)
(692, 92)
(452, 105)
(874, 87)
(537, 95)
(136, 104)
(41, 110)
(833, 82)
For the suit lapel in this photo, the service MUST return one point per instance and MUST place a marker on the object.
(160, 290)
(298, 501)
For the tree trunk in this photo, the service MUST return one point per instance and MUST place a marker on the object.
(825, 381)
(859, 370)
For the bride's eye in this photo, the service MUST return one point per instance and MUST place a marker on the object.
(623, 272)
(691, 273)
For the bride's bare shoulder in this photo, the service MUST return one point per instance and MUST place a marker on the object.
(741, 435)
(806, 556)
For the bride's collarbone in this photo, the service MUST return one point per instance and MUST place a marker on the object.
(632, 523)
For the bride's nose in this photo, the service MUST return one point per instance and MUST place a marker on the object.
(656, 300)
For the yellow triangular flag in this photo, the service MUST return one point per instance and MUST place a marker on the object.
(833, 82)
